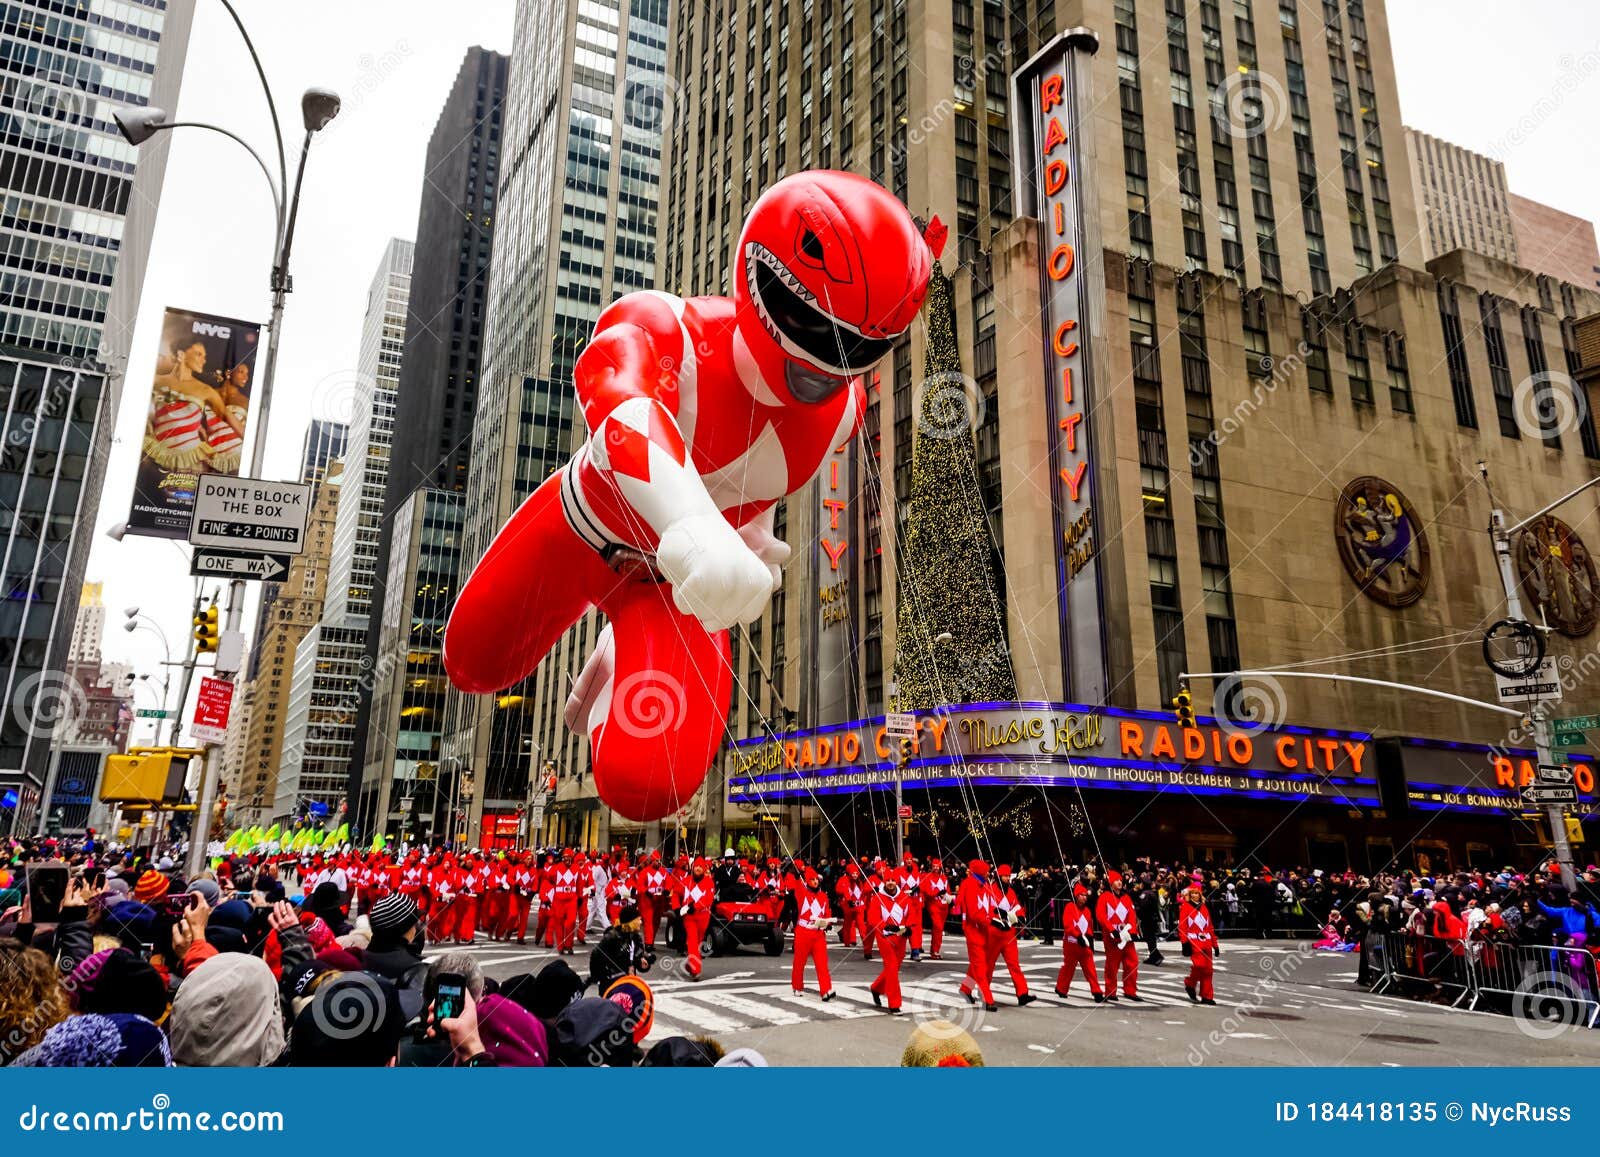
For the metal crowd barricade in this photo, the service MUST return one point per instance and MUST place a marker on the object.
(1423, 966)
(1537, 972)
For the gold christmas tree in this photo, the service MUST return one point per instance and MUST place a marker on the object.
(948, 570)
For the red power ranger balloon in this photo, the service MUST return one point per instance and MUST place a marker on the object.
(702, 413)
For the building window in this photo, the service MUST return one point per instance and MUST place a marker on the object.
(1356, 364)
(1494, 341)
(1456, 357)
(1544, 404)
(1394, 355)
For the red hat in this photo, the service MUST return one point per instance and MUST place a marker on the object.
(935, 862)
(1003, 870)
(978, 868)
(772, 861)
(699, 863)
(151, 886)
(1079, 892)
(1113, 877)
(811, 877)
(853, 869)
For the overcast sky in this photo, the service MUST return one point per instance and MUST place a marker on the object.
(1520, 87)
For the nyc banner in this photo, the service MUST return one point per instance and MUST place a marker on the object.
(199, 403)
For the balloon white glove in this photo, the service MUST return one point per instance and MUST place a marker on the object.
(715, 577)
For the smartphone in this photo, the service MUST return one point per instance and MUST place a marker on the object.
(47, 889)
(450, 996)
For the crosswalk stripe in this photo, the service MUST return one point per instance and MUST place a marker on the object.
(750, 1008)
(680, 1008)
(813, 1003)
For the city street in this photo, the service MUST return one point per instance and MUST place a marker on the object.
(1279, 1003)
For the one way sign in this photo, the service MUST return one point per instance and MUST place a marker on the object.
(238, 564)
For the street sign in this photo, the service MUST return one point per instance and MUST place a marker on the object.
(1550, 795)
(1568, 739)
(905, 811)
(241, 564)
(900, 725)
(153, 713)
(1543, 685)
(1577, 723)
(211, 707)
(1550, 774)
(250, 514)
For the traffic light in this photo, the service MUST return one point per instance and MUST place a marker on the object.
(908, 748)
(1183, 706)
(205, 631)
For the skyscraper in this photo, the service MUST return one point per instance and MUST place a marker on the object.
(324, 441)
(577, 219)
(439, 378)
(75, 231)
(366, 461)
(1462, 200)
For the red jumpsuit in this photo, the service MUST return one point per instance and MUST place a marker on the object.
(653, 899)
(1114, 912)
(693, 902)
(492, 905)
(886, 917)
(1077, 944)
(975, 905)
(466, 925)
(445, 882)
(544, 931)
(524, 883)
(564, 905)
(1196, 930)
(911, 890)
(1003, 941)
(619, 892)
(936, 898)
(811, 937)
(852, 906)
(703, 413)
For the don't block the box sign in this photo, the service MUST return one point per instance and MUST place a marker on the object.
(1052, 153)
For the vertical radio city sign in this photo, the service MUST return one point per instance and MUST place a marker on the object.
(1052, 156)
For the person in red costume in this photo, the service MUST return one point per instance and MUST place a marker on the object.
(620, 894)
(852, 894)
(936, 898)
(467, 898)
(888, 913)
(813, 918)
(524, 885)
(1008, 916)
(653, 897)
(564, 903)
(1077, 943)
(584, 871)
(703, 413)
(975, 905)
(1119, 928)
(911, 889)
(1198, 935)
(692, 901)
(445, 883)
(544, 931)
(492, 903)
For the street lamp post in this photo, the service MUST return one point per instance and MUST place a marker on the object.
(318, 107)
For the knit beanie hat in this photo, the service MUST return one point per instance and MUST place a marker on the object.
(394, 913)
(151, 887)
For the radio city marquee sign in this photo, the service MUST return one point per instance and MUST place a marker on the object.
(1067, 745)
(1052, 158)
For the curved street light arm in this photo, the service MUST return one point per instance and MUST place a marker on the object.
(277, 197)
(272, 107)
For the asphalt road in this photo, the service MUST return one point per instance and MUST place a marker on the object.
(1279, 1003)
